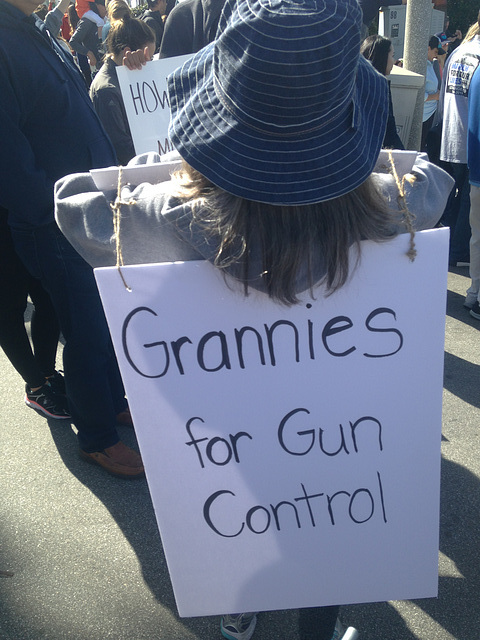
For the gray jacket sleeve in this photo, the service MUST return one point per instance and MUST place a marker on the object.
(426, 193)
(53, 21)
(151, 229)
(85, 39)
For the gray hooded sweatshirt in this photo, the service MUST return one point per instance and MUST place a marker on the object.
(157, 227)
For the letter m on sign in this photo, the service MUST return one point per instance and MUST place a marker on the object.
(164, 148)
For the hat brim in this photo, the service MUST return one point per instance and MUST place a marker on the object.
(324, 164)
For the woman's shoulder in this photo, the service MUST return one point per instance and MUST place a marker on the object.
(425, 185)
(106, 79)
(155, 227)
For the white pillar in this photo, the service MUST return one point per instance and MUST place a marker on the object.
(417, 35)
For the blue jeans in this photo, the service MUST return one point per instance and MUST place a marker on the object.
(94, 386)
(457, 212)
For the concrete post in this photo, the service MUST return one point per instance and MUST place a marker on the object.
(417, 34)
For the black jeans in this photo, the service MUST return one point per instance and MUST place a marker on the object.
(457, 214)
(317, 623)
(92, 379)
(16, 284)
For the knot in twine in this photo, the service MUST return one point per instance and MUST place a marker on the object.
(116, 208)
(409, 217)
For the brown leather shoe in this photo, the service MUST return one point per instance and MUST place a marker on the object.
(117, 459)
(124, 418)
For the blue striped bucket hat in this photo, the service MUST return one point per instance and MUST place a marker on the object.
(281, 108)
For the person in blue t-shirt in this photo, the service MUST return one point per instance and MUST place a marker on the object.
(432, 88)
(472, 301)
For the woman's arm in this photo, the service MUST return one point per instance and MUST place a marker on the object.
(108, 104)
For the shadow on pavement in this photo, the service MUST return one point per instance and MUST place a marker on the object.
(457, 371)
(129, 504)
(455, 309)
(457, 608)
(454, 610)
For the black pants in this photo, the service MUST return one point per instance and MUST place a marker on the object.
(16, 284)
(426, 126)
(92, 379)
(317, 623)
(457, 214)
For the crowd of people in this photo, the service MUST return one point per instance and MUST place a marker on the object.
(271, 193)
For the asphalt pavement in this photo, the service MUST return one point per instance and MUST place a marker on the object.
(81, 557)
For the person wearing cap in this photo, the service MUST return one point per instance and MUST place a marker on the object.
(449, 39)
(432, 88)
(276, 184)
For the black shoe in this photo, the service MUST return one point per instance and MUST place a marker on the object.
(57, 383)
(46, 402)
(475, 311)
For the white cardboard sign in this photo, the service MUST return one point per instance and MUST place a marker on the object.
(106, 179)
(147, 105)
(292, 454)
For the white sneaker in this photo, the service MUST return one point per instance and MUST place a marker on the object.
(340, 634)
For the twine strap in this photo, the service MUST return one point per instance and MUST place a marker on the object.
(409, 217)
(117, 214)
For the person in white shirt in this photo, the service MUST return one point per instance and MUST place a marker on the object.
(432, 88)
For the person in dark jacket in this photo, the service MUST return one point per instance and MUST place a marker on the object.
(190, 26)
(85, 41)
(379, 51)
(82, 60)
(48, 129)
(125, 31)
(154, 17)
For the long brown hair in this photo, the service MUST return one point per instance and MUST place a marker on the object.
(288, 241)
(474, 30)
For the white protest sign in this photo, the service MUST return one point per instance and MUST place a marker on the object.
(292, 453)
(107, 179)
(145, 96)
